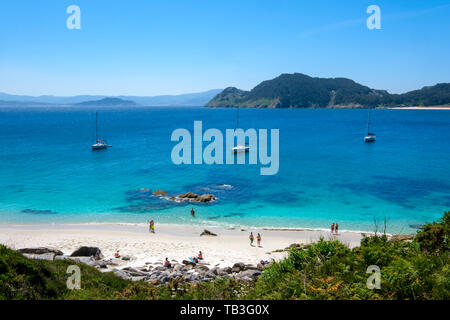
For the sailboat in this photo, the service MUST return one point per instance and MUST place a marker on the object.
(239, 147)
(371, 137)
(100, 144)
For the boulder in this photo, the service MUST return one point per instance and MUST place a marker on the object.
(246, 279)
(188, 195)
(90, 261)
(138, 278)
(202, 268)
(187, 268)
(160, 193)
(250, 273)
(135, 272)
(44, 256)
(40, 250)
(238, 267)
(121, 274)
(211, 274)
(88, 252)
(177, 268)
(206, 198)
(159, 268)
(227, 270)
(191, 196)
(208, 233)
(215, 270)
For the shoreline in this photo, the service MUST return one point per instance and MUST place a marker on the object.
(421, 108)
(176, 225)
(173, 241)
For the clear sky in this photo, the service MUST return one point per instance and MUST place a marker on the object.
(153, 47)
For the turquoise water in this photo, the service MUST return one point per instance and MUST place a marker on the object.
(327, 173)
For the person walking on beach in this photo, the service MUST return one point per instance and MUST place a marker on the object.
(258, 239)
(251, 239)
(151, 227)
(336, 228)
(332, 228)
(193, 212)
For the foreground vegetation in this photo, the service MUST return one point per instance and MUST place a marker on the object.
(417, 269)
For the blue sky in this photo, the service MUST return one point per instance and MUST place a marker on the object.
(178, 46)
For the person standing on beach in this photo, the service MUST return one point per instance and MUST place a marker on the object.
(151, 227)
(258, 239)
(336, 228)
(251, 239)
(193, 212)
(332, 228)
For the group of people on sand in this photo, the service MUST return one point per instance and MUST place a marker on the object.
(196, 259)
(334, 228)
(252, 238)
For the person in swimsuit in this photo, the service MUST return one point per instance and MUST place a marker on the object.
(192, 212)
(336, 228)
(200, 256)
(117, 255)
(332, 228)
(258, 239)
(152, 226)
(167, 264)
(251, 239)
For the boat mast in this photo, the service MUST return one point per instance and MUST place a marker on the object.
(237, 118)
(368, 122)
(96, 126)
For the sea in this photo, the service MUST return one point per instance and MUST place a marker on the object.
(327, 174)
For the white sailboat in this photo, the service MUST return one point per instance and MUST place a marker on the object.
(239, 147)
(99, 144)
(371, 137)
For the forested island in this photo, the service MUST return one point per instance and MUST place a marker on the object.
(301, 91)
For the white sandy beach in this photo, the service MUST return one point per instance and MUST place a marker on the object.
(172, 241)
(423, 108)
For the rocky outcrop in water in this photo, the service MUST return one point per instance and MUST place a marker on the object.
(193, 197)
(208, 233)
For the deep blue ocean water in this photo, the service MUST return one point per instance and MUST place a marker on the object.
(48, 172)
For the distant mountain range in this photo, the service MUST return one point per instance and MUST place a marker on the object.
(107, 102)
(188, 99)
(301, 91)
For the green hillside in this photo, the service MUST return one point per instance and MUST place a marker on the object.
(301, 91)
